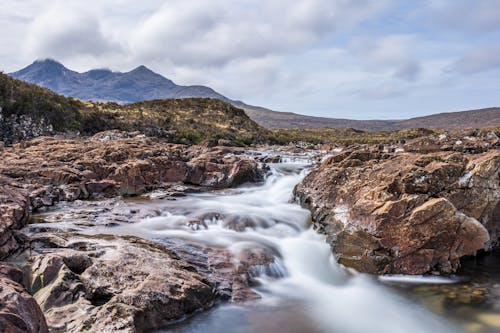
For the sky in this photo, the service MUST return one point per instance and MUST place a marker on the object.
(359, 59)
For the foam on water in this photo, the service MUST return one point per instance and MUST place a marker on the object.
(304, 275)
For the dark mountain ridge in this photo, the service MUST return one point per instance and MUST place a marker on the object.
(141, 84)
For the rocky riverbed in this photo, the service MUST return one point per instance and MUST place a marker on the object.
(121, 232)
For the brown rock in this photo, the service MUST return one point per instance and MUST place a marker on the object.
(19, 312)
(14, 205)
(405, 212)
(107, 283)
(125, 164)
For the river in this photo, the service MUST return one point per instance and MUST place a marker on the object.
(304, 289)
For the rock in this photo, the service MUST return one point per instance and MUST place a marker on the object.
(121, 164)
(221, 170)
(405, 213)
(232, 275)
(14, 206)
(108, 283)
(19, 312)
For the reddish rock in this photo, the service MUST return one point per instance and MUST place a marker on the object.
(14, 208)
(107, 283)
(124, 165)
(19, 312)
(405, 212)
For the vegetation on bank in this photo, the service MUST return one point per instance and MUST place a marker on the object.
(347, 136)
(27, 110)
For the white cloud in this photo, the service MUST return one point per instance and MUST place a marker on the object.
(66, 29)
(476, 16)
(478, 60)
(201, 33)
(392, 53)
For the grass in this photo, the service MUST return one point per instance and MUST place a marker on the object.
(347, 136)
(190, 120)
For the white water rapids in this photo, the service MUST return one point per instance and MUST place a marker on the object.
(305, 290)
(329, 297)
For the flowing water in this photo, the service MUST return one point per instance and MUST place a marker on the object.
(304, 289)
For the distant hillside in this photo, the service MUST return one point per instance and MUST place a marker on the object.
(143, 84)
(28, 111)
(348, 136)
(275, 120)
(481, 118)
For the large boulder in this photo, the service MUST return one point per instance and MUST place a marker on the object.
(405, 213)
(107, 283)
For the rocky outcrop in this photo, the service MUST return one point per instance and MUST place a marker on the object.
(125, 165)
(19, 312)
(405, 213)
(107, 283)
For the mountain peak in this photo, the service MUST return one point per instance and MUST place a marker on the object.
(42, 69)
(142, 70)
(47, 63)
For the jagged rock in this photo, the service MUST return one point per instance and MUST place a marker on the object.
(19, 312)
(107, 283)
(405, 212)
(14, 205)
(125, 165)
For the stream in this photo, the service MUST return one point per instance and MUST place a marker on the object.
(304, 289)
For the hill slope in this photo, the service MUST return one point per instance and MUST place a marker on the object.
(27, 111)
(143, 84)
(482, 118)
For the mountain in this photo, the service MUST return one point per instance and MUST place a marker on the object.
(27, 111)
(104, 85)
(143, 84)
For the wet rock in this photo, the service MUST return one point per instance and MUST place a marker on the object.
(221, 169)
(405, 213)
(19, 312)
(230, 274)
(107, 283)
(14, 208)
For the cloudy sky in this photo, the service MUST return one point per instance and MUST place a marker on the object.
(358, 59)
